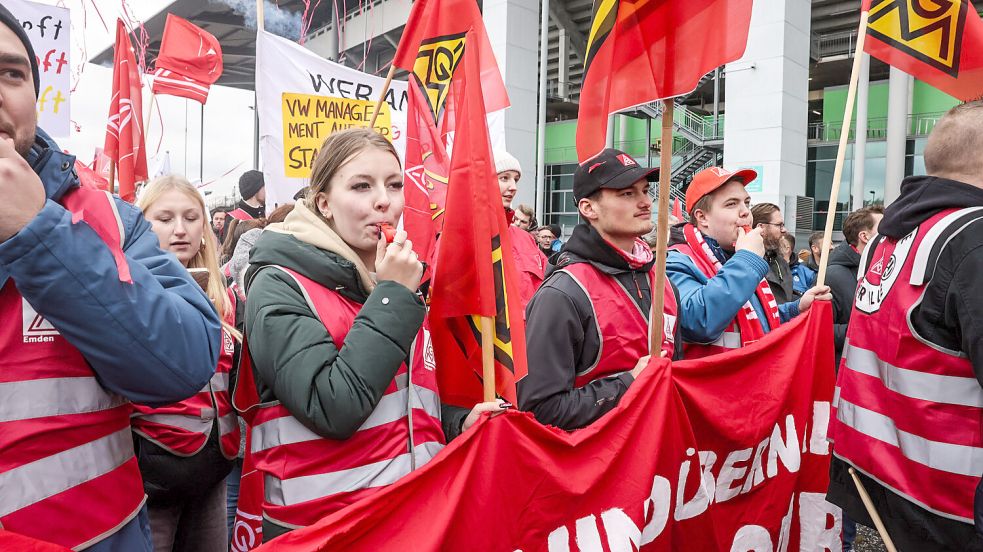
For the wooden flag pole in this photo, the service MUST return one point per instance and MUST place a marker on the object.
(656, 322)
(834, 192)
(150, 112)
(382, 95)
(260, 16)
(869, 504)
(488, 357)
(112, 176)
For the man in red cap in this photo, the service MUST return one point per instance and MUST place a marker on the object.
(587, 327)
(718, 266)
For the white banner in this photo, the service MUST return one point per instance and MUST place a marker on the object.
(302, 99)
(48, 29)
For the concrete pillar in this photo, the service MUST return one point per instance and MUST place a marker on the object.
(513, 30)
(767, 100)
(860, 143)
(897, 133)
(609, 134)
(563, 61)
(331, 42)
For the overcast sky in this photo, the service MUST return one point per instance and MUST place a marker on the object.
(228, 114)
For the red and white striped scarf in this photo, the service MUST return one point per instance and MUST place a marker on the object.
(747, 317)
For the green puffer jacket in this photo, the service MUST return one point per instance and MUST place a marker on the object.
(331, 391)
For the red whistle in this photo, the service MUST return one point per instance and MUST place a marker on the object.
(387, 231)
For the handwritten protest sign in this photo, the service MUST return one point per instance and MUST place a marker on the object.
(309, 119)
(48, 29)
(302, 98)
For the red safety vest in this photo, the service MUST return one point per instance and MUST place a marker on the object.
(183, 428)
(307, 476)
(624, 331)
(530, 264)
(909, 414)
(239, 214)
(67, 470)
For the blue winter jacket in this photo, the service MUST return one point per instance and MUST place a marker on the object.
(155, 341)
(803, 277)
(707, 306)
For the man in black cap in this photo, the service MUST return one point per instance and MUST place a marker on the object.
(93, 315)
(587, 327)
(252, 188)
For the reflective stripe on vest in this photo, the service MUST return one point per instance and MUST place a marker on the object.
(307, 476)
(183, 428)
(67, 470)
(908, 413)
(623, 332)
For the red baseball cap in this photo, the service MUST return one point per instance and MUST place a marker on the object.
(708, 180)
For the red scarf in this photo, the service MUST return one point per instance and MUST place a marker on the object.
(747, 317)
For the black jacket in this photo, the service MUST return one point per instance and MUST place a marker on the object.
(255, 212)
(841, 277)
(562, 340)
(779, 278)
(951, 316)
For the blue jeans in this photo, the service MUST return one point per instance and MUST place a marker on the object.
(849, 533)
(232, 493)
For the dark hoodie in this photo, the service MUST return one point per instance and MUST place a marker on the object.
(841, 277)
(562, 339)
(949, 316)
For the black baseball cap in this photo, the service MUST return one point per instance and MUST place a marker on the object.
(612, 169)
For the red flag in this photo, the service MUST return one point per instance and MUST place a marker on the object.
(942, 46)
(426, 177)
(190, 60)
(639, 51)
(677, 208)
(91, 178)
(692, 458)
(433, 43)
(475, 273)
(124, 131)
(15, 541)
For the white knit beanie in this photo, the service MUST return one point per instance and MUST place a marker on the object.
(505, 161)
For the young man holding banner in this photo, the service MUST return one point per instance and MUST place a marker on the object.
(587, 328)
(719, 268)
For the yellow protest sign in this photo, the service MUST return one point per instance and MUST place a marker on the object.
(931, 34)
(309, 119)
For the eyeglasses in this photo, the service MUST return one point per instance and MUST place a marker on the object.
(778, 224)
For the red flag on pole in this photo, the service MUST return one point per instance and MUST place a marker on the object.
(124, 131)
(433, 43)
(475, 273)
(426, 177)
(942, 46)
(677, 208)
(639, 51)
(190, 60)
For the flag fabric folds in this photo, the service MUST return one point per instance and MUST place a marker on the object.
(475, 273)
(942, 46)
(639, 51)
(189, 62)
(426, 169)
(124, 130)
(692, 458)
(433, 43)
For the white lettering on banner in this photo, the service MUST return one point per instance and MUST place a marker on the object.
(741, 471)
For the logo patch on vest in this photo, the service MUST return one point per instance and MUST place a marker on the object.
(877, 283)
(669, 331)
(228, 343)
(36, 328)
(428, 358)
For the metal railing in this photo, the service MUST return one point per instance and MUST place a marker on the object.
(918, 125)
(564, 90)
(842, 43)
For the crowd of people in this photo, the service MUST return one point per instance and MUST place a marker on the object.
(156, 336)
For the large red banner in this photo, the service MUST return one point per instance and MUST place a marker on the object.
(723, 453)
